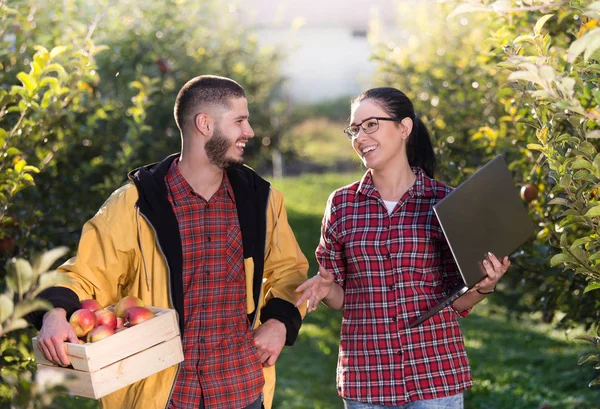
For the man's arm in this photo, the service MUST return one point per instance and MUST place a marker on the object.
(285, 269)
(94, 272)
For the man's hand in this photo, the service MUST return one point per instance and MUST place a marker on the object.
(269, 339)
(55, 331)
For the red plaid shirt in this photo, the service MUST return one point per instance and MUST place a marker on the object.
(391, 267)
(221, 363)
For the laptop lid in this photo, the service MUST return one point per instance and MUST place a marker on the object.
(485, 213)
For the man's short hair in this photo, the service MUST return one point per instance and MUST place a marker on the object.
(204, 91)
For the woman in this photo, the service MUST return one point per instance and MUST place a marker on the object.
(383, 259)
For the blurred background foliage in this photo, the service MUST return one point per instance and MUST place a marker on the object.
(87, 91)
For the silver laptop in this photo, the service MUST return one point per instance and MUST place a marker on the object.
(485, 213)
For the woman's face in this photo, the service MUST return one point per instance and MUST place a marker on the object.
(384, 146)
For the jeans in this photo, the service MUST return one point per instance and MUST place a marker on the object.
(449, 402)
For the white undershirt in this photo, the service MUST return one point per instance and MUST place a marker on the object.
(390, 205)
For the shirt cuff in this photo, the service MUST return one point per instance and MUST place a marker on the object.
(461, 314)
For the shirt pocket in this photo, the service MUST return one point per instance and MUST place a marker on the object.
(234, 256)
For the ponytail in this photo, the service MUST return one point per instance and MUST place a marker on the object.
(419, 149)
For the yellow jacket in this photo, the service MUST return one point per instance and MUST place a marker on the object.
(130, 247)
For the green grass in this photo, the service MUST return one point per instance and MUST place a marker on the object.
(516, 364)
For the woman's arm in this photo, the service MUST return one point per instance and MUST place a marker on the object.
(494, 270)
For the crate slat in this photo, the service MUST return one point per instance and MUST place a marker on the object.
(92, 357)
(121, 373)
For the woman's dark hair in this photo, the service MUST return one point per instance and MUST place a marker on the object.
(419, 148)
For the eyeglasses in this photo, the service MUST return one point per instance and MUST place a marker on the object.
(368, 126)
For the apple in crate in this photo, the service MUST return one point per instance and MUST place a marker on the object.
(99, 333)
(120, 323)
(82, 321)
(136, 315)
(125, 303)
(91, 305)
(106, 317)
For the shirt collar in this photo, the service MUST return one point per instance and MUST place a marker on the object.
(421, 187)
(181, 189)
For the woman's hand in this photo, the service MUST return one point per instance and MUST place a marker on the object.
(494, 269)
(315, 289)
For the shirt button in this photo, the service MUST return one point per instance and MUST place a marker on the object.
(399, 353)
(204, 306)
(208, 239)
(388, 256)
(207, 272)
(391, 287)
(394, 319)
(202, 340)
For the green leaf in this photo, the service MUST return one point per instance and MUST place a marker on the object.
(466, 8)
(583, 44)
(581, 163)
(582, 240)
(559, 201)
(535, 147)
(540, 23)
(27, 306)
(591, 357)
(50, 279)
(593, 212)
(28, 82)
(47, 259)
(20, 165)
(524, 39)
(559, 259)
(52, 81)
(593, 134)
(6, 307)
(12, 151)
(591, 287)
(16, 324)
(58, 69)
(19, 277)
(56, 51)
(587, 338)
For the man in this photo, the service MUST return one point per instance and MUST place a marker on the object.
(203, 234)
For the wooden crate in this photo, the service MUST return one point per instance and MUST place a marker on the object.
(121, 359)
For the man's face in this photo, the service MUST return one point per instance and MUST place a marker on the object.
(231, 133)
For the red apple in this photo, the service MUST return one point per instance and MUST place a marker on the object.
(135, 315)
(106, 317)
(120, 323)
(529, 192)
(82, 321)
(7, 245)
(91, 305)
(99, 333)
(127, 302)
(163, 64)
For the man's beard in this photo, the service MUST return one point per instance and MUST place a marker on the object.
(216, 150)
